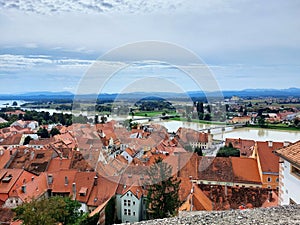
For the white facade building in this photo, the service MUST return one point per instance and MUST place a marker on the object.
(289, 174)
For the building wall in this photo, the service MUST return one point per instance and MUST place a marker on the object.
(12, 202)
(270, 181)
(289, 185)
(131, 213)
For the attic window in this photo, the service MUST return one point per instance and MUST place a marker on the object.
(7, 179)
(83, 191)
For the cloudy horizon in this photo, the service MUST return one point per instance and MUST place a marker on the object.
(49, 45)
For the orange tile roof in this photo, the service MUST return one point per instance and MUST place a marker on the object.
(290, 153)
(245, 170)
(12, 140)
(106, 188)
(11, 175)
(59, 178)
(84, 183)
(269, 162)
(34, 188)
(58, 163)
(200, 200)
(215, 169)
(5, 156)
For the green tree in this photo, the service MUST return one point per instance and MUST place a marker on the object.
(48, 211)
(198, 150)
(162, 199)
(15, 103)
(228, 151)
(27, 140)
(110, 211)
(54, 131)
(43, 133)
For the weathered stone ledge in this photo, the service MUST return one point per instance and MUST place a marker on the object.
(283, 215)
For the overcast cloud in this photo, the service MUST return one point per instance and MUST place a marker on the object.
(253, 42)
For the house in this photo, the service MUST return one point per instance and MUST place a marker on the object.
(33, 125)
(268, 162)
(246, 147)
(12, 141)
(289, 178)
(187, 136)
(129, 154)
(240, 119)
(131, 199)
(10, 181)
(35, 188)
(82, 188)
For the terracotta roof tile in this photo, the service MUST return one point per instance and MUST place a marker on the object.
(268, 160)
(290, 153)
(58, 163)
(245, 170)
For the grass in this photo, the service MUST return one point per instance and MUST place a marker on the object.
(153, 113)
(198, 121)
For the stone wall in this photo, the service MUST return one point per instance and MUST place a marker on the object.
(283, 215)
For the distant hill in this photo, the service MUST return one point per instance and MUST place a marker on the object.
(34, 96)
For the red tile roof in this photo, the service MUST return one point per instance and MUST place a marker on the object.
(269, 162)
(245, 170)
(84, 183)
(290, 153)
(58, 163)
(62, 181)
(35, 188)
(105, 189)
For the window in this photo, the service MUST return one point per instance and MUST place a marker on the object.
(134, 213)
(295, 171)
(269, 179)
(129, 212)
(277, 180)
(129, 202)
(125, 212)
(125, 202)
(133, 202)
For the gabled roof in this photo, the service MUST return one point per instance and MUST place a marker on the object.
(35, 188)
(8, 178)
(84, 183)
(58, 163)
(290, 153)
(62, 181)
(5, 156)
(215, 169)
(12, 140)
(245, 170)
(105, 189)
(269, 162)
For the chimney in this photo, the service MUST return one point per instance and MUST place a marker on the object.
(23, 188)
(95, 180)
(270, 144)
(74, 190)
(50, 179)
(66, 180)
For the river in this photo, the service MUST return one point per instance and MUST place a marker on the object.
(257, 134)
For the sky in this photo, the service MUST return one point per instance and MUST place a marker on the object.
(51, 45)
